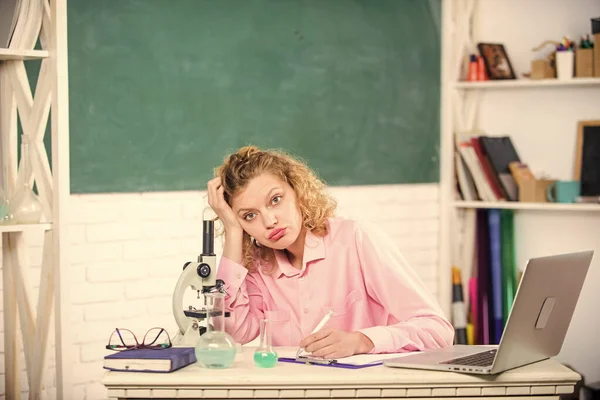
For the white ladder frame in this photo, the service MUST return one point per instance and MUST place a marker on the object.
(459, 110)
(45, 21)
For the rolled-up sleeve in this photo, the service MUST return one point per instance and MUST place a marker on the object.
(243, 301)
(413, 319)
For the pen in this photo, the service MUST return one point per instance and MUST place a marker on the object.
(318, 328)
(323, 322)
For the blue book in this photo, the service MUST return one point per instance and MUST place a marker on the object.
(148, 360)
(496, 274)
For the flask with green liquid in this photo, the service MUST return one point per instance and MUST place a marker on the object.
(265, 356)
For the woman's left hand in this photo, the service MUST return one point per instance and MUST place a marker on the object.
(335, 343)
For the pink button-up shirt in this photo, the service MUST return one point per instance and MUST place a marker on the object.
(354, 270)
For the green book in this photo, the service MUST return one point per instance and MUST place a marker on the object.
(509, 286)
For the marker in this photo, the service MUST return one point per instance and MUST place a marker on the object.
(472, 72)
(458, 308)
(318, 328)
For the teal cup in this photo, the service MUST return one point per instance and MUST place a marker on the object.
(563, 191)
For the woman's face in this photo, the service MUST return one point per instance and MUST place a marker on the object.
(267, 210)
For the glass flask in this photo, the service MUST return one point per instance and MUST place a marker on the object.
(25, 206)
(215, 349)
(265, 356)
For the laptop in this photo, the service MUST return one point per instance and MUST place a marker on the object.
(535, 329)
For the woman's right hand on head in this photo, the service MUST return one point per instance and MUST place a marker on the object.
(216, 200)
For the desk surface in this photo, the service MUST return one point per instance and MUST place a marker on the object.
(287, 380)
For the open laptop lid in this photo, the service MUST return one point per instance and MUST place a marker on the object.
(542, 310)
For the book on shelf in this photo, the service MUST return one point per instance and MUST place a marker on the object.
(467, 152)
(9, 13)
(485, 166)
(464, 178)
(482, 330)
(150, 360)
(588, 200)
(495, 263)
(493, 280)
(484, 162)
(501, 152)
(17, 24)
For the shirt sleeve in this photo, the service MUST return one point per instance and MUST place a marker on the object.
(243, 301)
(415, 319)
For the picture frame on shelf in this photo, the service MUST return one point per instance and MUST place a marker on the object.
(496, 60)
(587, 157)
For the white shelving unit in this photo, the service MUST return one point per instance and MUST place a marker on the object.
(526, 83)
(25, 228)
(45, 22)
(19, 54)
(514, 205)
(460, 106)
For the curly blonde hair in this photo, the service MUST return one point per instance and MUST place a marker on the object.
(316, 206)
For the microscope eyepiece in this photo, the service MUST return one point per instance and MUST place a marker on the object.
(208, 238)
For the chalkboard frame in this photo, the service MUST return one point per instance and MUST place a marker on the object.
(577, 171)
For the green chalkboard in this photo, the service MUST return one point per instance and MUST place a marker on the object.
(161, 90)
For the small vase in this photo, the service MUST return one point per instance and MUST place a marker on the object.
(25, 206)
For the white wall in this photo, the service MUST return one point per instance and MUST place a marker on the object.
(127, 251)
(543, 124)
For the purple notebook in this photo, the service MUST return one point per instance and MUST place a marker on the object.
(147, 360)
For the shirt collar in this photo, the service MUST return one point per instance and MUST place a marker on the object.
(314, 249)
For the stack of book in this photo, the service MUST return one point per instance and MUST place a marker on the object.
(483, 167)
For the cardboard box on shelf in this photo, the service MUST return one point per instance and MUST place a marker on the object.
(534, 191)
(596, 54)
(584, 63)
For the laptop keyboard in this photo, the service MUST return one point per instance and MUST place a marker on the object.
(484, 359)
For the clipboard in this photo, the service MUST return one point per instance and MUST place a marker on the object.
(327, 363)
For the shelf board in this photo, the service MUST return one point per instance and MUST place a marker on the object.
(515, 205)
(526, 83)
(17, 54)
(24, 227)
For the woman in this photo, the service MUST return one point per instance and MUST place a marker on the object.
(288, 259)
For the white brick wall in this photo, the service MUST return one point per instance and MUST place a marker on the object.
(127, 251)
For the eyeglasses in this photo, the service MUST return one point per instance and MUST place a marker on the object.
(124, 339)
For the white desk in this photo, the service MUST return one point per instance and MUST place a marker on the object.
(544, 380)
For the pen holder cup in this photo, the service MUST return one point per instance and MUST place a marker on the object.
(534, 191)
(565, 61)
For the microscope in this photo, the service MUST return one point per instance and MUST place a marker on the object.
(200, 276)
